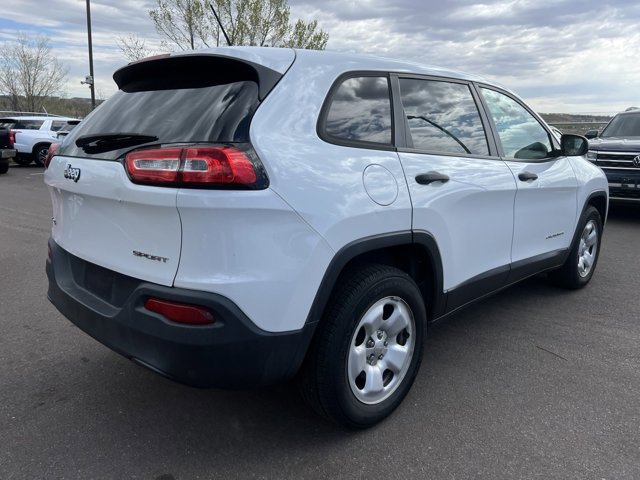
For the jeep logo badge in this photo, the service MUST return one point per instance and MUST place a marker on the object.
(72, 173)
(636, 161)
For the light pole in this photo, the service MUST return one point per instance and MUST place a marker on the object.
(90, 79)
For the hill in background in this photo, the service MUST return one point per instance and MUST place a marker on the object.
(67, 107)
(578, 124)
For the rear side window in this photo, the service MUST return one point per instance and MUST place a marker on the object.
(442, 117)
(359, 110)
(21, 124)
(203, 101)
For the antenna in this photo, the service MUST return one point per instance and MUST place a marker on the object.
(226, 37)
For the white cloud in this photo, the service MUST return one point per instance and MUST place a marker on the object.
(559, 55)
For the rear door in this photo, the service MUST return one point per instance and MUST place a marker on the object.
(100, 216)
(462, 192)
(99, 212)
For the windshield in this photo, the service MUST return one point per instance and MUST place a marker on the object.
(623, 126)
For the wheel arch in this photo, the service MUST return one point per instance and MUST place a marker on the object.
(40, 144)
(600, 202)
(416, 253)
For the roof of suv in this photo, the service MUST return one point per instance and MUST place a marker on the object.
(280, 59)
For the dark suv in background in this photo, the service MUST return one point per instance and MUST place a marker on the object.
(617, 151)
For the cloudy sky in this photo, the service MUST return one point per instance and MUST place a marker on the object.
(560, 55)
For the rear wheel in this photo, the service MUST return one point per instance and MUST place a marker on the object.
(368, 349)
(4, 167)
(40, 154)
(583, 257)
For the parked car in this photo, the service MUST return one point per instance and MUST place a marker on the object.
(31, 135)
(617, 151)
(305, 214)
(6, 152)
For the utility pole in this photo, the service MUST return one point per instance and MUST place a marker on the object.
(90, 79)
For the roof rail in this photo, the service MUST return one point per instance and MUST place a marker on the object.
(17, 113)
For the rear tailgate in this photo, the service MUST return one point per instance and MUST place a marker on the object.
(100, 216)
(108, 216)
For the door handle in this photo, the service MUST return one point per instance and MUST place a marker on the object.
(430, 177)
(526, 176)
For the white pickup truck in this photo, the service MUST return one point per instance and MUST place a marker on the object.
(31, 135)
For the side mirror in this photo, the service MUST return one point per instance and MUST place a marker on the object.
(591, 134)
(573, 145)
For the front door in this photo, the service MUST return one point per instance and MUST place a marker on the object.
(546, 200)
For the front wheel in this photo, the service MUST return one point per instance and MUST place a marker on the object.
(583, 257)
(368, 349)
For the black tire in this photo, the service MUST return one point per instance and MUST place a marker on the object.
(324, 380)
(574, 273)
(4, 167)
(23, 160)
(40, 154)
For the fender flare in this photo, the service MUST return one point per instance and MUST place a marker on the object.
(355, 249)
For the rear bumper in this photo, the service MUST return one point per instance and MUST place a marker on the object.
(231, 353)
(7, 153)
(623, 184)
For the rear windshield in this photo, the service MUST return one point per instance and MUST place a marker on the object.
(188, 106)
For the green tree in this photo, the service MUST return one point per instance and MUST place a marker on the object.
(184, 23)
(133, 47)
(306, 35)
(190, 24)
(29, 73)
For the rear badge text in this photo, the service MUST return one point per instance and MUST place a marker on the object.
(72, 173)
(148, 256)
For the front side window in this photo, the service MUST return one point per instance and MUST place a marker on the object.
(521, 135)
(442, 117)
(360, 111)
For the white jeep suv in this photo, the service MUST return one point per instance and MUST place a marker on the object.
(239, 216)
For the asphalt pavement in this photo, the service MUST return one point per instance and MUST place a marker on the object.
(534, 382)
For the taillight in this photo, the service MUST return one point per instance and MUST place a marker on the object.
(159, 165)
(12, 138)
(52, 150)
(196, 166)
(180, 312)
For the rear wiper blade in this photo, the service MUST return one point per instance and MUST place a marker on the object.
(105, 142)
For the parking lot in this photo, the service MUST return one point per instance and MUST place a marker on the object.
(533, 382)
